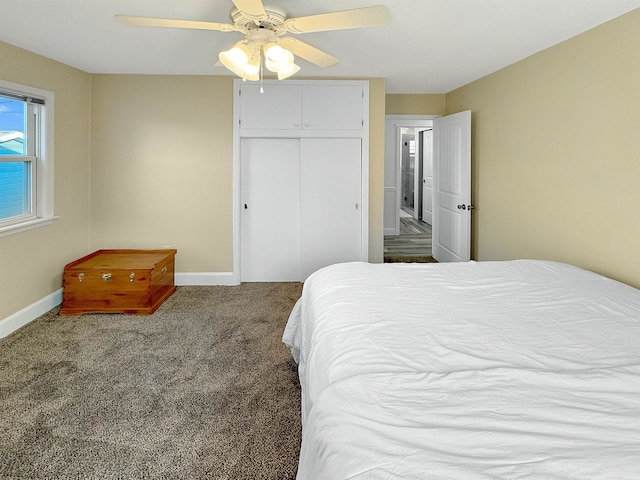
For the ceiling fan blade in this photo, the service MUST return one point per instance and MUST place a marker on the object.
(357, 18)
(309, 53)
(252, 8)
(172, 23)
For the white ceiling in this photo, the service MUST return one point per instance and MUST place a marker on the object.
(430, 46)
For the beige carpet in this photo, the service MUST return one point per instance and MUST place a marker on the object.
(202, 389)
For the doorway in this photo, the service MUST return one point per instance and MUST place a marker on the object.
(451, 187)
(408, 186)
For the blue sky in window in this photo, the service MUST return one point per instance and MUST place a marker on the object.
(11, 115)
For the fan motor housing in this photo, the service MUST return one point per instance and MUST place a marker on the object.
(273, 22)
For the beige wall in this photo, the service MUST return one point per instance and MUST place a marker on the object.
(556, 153)
(32, 262)
(414, 104)
(161, 167)
(376, 169)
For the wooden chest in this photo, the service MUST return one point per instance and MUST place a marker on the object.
(118, 281)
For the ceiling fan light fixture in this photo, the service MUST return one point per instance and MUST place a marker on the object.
(283, 62)
(252, 69)
(273, 51)
(236, 58)
(287, 72)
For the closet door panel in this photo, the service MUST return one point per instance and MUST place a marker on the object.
(270, 235)
(278, 108)
(332, 107)
(330, 199)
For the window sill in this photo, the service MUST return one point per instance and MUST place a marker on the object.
(27, 225)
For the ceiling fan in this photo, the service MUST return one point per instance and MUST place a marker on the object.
(263, 29)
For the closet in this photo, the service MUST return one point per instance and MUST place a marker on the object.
(303, 177)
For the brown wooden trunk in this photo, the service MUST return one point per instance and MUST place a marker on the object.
(118, 281)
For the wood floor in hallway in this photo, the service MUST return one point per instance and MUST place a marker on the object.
(413, 243)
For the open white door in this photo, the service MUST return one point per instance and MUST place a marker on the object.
(452, 188)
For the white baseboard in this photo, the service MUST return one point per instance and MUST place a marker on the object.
(206, 278)
(29, 313)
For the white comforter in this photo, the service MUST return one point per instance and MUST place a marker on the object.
(478, 370)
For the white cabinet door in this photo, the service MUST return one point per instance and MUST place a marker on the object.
(332, 107)
(270, 237)
(279, 107)
(331, 203)
(296, 107)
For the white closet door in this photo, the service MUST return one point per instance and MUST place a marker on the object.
(270, 234)
(330, 193)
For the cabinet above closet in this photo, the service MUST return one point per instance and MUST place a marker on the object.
(307, 105)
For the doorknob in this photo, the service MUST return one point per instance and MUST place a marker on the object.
(462, 207)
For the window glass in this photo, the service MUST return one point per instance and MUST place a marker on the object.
(15, 165)
(14, 189)
(12, 126)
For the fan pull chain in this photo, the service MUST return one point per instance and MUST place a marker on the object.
(261, 74)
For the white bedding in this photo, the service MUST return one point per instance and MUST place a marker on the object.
(479, 370)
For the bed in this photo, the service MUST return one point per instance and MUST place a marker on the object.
(477, 370)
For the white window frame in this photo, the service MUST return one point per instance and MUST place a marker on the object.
(42, 168)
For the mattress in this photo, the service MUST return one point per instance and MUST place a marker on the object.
(477, 370)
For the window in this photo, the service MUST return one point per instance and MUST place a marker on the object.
(26, 158)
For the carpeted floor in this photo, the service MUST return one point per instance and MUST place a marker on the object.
(202, 389)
